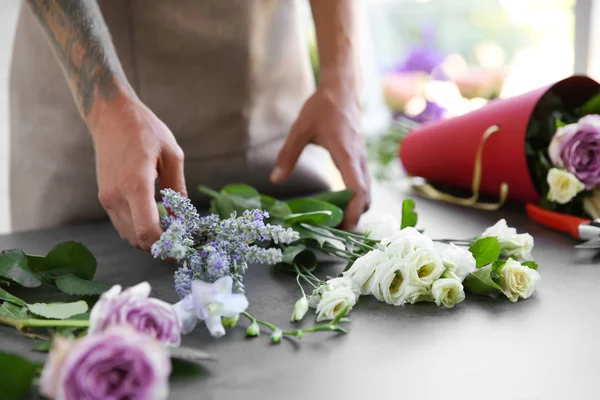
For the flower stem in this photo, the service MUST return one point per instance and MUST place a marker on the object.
(361, 244)
(301, 275)
(347, 234)
(43, 323)
(310, 274)
(301, 288)
(258, 321)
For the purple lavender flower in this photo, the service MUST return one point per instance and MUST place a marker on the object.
(432, 112)
(118, 363)
(576, 147)
(423, 58)
(134, 307)
(182, 207)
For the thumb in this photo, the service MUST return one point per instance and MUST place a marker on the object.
(170, 171)
(290, 152)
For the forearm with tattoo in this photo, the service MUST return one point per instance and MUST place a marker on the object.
(84, 48)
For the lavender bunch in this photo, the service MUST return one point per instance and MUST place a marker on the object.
(208, 248)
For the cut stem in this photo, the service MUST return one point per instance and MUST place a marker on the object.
(20, 324)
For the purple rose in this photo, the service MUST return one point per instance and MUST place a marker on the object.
(576, 147)
(118, 363)
(133, 306)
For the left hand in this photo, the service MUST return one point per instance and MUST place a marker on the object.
(331, 119)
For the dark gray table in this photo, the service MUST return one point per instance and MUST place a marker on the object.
(542, 348)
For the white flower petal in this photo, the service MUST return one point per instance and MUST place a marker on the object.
(215, 326)
(186, 314)
(224, 284)
(142, 289)
(233, 305)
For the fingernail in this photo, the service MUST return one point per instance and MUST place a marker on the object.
(277, 174)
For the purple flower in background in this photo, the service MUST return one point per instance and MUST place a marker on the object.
(119, 363)
(432, 112)
(576, 147)
(134, 307)
(422, 58)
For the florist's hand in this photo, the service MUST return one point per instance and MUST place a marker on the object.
(133, 148)
(331, 119)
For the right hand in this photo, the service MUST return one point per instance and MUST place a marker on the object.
(133, 149)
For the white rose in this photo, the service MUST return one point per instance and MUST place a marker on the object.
(407, 241)
(335, 301)
(511, 243)
(378, 226)
(564, 186)
(458, 260)
(591, 204)
(424, 267)
(364, 267)
(517, 280)
(448, 292)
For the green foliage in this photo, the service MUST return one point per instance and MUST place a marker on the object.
(314, 217)
(299, 255)
(16, 376)
(480, 282)
(10, 310)
(592, 106)
(4, 295)
(530, 264)
(66, 258)
(74, 285)
(309, 205)
(485, 250)
(14, 266)
(409, 216)
(58, 310)
(340, 198)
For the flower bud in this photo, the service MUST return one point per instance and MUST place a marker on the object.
(253, 329)
(230, 322)
(276, 336)
(300, 309)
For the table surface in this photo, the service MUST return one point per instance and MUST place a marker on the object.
(542, 348)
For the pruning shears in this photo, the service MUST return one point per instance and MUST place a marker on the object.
(582, 229)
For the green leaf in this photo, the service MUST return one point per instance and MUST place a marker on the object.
(14, 266)
(313, 218)
(43, 346)
(182, 370)
(592, 106)
(279, 210)
(74, 285)
(409, 216)
(16, 374)
(4, 295)
(162, 210)
(497, 265)
(290, 253)
(266, 202)
(560, 124)
(299, 255)
(14, 311)
(66, 258)
(480, 281)
(58, 310)
(530, 264)
(207, 191)
(485, 250)
(308, 205)
(340, 198)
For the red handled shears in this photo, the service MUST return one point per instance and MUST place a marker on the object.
(579, 228)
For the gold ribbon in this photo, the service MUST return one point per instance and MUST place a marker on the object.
(426, 190)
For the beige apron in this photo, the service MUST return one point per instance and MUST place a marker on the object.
(227, 76)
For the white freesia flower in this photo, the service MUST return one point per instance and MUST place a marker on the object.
(407, 241)
(424, 267)
(564, 186)
(364, 267)
(378, 226)
(591, 204)
(300, 309)
(209, 302)
(517, 280)
(447, 291)
(512, 244)
(458, 260)
(337, 296)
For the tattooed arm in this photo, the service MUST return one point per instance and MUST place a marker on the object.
(133, 147)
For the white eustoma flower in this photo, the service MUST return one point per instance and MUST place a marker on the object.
(564, 186)
(423, 267)
(389, 280)
(210, 302)
(512, 244)
(458, 260)
(331, 285)
(378, 226)
(405, 242)
(447, 291)
(414, 293)
(334, 301)
(364, 267)
(517, 280)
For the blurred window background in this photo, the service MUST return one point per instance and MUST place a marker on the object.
(428, 59)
